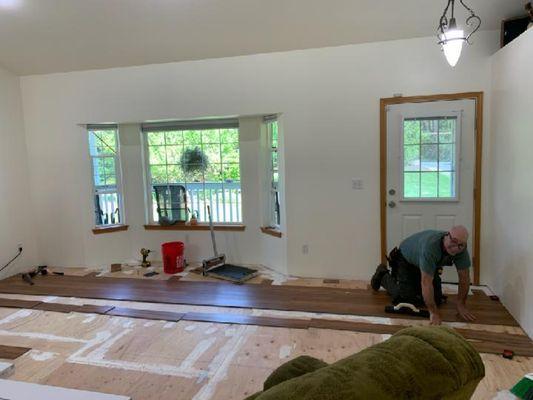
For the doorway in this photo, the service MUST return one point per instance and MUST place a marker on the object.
(431, 168)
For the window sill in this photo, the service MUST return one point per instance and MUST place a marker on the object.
(199, 227)
(109, 229)
(271, 231)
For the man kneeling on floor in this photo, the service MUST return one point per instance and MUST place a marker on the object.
(415, 277)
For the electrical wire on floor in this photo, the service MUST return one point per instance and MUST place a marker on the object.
(13, 259)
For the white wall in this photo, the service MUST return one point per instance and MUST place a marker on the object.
(510, 199)
(330, 103)
(16, 216)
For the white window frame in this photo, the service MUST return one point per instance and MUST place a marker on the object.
(202, 124)
(451, 114)
(118, 174)
(273, 188)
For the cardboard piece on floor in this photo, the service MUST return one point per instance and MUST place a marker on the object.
(14, 390)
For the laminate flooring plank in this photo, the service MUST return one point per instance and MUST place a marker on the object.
(146, 314)
(11, 303)
(286, 298)
(12, 352)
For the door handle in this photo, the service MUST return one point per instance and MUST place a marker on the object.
(392, 192)
(392, 204)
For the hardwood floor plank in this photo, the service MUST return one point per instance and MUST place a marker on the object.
(11, 303)
(12, 352)
(287, 298)
(67, 308)
(146, 314)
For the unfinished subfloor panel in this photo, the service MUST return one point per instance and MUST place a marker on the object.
(185, 359)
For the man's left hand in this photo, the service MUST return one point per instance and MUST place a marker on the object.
(465, 313)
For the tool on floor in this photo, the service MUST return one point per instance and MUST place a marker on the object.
(407, 309)
(145, 253)
(149, 274)
(216, 266)
(28, 277)
(509, 354)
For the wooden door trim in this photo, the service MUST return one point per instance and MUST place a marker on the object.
(478, 98)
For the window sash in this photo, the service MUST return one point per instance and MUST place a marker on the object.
(100, 190)
(274, 217)
(224, 198)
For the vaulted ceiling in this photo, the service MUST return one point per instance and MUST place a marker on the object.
(45, 36)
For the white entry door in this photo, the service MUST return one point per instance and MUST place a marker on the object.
(430, 169)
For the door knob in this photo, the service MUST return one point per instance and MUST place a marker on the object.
(392, 204)
(392, 192)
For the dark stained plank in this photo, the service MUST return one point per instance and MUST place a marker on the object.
(145, 314)
(12, 352)
(241, 319)
(288, 298)
(327, 281)
(11, 303)
(67, 308)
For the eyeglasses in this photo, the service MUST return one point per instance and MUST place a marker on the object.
(456, 242)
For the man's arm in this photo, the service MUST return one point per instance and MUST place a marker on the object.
(464, 287)
(429, 298)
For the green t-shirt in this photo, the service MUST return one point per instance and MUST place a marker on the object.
(425, 250)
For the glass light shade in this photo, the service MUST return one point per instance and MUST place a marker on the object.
(452, 44)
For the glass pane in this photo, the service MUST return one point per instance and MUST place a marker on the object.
(275, 177)
(411, 184)
(213, 173)
(109, 165)
(110, 180)
(446, 157)
(175, 174)
(446, 184)
(211, 136)
(231, 173)
(429, 157)
(274, 134)
(411, 157)
(229, 135)
(274, 160)
(447, 130)
(157, 155)
(99, 166)
(194, 172)
(230, 152)
(174, 137)
(158, 173)
(155, 138)
(212, 151)
(429, 130)
(174, 154)
(107, 209)
(191, 138)
(102, 142)
(411, 131)
(428, 184)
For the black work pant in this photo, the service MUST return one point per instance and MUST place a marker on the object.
(403, 283)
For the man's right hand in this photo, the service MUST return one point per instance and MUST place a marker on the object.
(434, 319)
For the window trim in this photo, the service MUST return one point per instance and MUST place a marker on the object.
(270, 213)
(118, 176)
(186, 125)
(458, 137)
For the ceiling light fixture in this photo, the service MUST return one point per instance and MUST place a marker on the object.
(452, 37)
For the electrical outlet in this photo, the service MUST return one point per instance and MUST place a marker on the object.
(305, 249)
(357, 184)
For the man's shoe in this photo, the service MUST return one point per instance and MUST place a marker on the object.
(375, 282)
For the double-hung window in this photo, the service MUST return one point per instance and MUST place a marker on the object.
(192, 165)
(105, 163)
(274, 216)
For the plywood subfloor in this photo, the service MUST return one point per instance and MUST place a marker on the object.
(293, 298)
(184, 360)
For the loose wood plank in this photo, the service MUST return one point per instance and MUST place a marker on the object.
(146, 314)
(241, 319)
(68, 308)
(12, 352)
(11, 303)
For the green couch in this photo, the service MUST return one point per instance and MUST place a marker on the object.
(415, 363)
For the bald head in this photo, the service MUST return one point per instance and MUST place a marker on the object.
(456, 239)
(460, 233)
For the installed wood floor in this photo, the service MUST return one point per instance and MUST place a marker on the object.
(287, 298)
